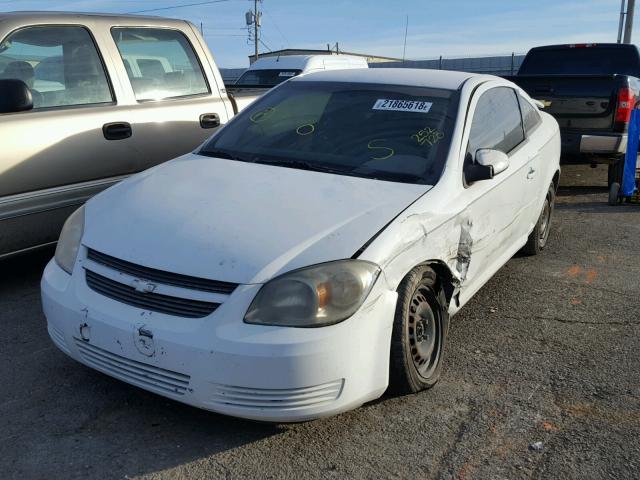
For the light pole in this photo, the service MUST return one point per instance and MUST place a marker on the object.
(628, 24)
(621, 23)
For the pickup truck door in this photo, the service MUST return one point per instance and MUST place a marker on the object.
(57, 155)
(491, 222)
(175, 94)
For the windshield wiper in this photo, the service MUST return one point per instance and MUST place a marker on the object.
(302, 165)
(224, 154)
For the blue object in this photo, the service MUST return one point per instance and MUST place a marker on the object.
(628, 186)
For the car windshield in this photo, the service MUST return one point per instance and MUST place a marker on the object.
(266, 78)
(395, 133)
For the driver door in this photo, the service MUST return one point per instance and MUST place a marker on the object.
(495, 207)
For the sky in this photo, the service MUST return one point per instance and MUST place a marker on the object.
(452, 28)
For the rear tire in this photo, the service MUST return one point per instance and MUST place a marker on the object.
(615, 172)
(614, 191)
(538, 237)
(419, 333)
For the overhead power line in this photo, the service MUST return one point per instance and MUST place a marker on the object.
(265, 45)
(275, 24)
(179, 6)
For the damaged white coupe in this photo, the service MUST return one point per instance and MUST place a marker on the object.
(310, 254)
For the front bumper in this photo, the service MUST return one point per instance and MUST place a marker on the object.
(219, 363)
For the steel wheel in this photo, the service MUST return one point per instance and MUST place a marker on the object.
(540, 234)
(545, 222)
(424, 332)
(419, 334)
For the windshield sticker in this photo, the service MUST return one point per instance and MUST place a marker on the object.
(390, 151)
(306, 129)
(262, 115)
(429, 136)
(287, 74)
(402, 105)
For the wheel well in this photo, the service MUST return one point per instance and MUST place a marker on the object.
(444, 277)
(556, 180)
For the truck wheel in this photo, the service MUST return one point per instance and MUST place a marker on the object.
(538, 237)
(419, 333)
(614, 190)
(614, 173)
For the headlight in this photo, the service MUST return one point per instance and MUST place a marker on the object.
(69, 242)
(314, 296)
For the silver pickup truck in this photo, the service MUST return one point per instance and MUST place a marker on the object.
(86, 100)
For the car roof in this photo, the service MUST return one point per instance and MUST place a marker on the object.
(445, 79)
(40, 17)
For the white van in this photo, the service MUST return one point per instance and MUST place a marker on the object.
(270, 71)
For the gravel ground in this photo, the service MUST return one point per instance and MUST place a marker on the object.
(546, 352)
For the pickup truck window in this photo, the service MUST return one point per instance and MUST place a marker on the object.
(60, 65)
(497, 123)
(395, 133)
(530, 115)
(593, 60)
(160, 63)
(266, 78)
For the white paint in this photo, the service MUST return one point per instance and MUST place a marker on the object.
(247, 223)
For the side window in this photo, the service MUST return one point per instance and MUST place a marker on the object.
(530, 115)
(497, 123)
(59, 64)
(160, 63)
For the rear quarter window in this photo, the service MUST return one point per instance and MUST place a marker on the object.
(530, 116)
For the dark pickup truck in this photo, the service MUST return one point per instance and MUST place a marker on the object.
(590, 89)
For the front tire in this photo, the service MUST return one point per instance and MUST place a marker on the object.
(419, 333)
(538, 237)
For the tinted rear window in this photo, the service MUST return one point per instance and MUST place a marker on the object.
(266, 78)
(582, 61)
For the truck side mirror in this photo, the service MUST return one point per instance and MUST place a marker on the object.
(15, 96)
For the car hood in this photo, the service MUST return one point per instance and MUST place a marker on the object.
(239, 222)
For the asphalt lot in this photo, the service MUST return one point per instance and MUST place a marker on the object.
(546, 352)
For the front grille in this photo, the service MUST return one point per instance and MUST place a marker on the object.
(181, 307)
(166, 278)
(140, 374)
(280, 399)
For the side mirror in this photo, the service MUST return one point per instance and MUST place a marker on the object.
(15, 96)
(488, 163)
(497, 160)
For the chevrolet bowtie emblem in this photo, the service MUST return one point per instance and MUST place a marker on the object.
(143, 286)
(546, 103)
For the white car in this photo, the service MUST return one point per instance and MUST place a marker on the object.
(311, 253)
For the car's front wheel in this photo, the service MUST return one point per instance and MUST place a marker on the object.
(538, 238)
(419, 333)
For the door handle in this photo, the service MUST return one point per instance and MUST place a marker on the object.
(531, 173)
(116, 130)
(209, 120)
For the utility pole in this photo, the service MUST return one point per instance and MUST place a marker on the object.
(256, 27)
(628, 25)
(621, 23)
